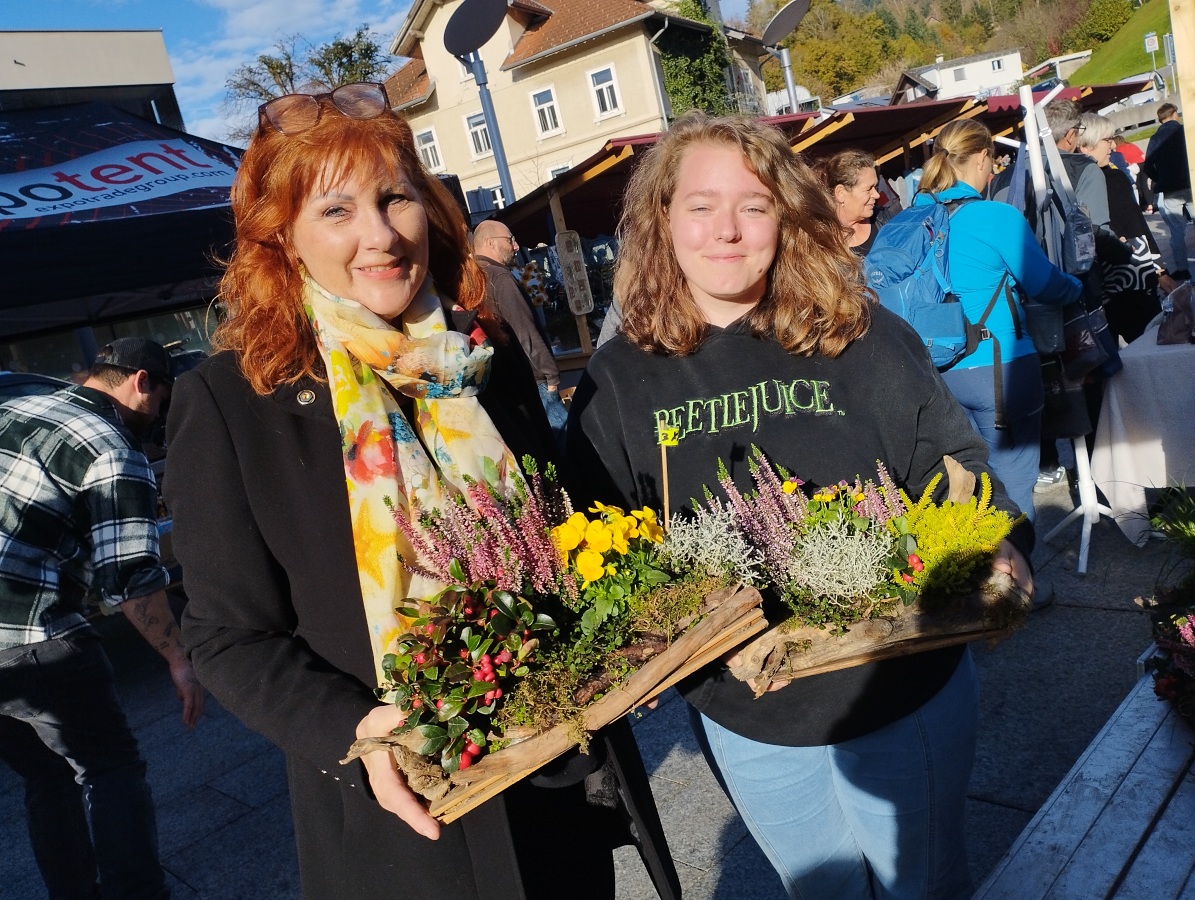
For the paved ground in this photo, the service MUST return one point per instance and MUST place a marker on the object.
(224, 818)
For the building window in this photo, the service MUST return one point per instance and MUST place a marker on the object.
(960, 74)
(558, 170)
(479, 134)
(997, 65)
(547, 116)
(605, 92)
(429, 150)
(466, 70)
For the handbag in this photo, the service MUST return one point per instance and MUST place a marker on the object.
(1084, 351)
(1178, 316)
(1044, 324)
(1064, 412)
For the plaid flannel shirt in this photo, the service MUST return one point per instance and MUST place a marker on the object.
(78, 504)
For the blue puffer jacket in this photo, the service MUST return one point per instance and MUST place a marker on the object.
(988, 239)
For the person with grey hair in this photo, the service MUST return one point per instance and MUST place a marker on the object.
(1066, 127)
(1129, 264)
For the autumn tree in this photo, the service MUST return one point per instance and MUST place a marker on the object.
(296, 66)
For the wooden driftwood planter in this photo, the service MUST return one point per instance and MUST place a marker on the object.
(992, 611)
(734, 618)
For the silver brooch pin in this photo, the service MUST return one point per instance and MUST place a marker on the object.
(306, 398)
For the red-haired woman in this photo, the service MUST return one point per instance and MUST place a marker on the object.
(292, 451)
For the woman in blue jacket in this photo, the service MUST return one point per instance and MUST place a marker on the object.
(990, 244)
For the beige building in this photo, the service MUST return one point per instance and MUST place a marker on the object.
(129, 69)
(563, 80)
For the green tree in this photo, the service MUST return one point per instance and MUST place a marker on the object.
(296, 66)
(916, 28)
(891, 25)
(695, 63)
(952, 11)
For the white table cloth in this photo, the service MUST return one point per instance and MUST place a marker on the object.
(1146, 433)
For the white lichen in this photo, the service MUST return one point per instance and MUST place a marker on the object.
(709, 543)
(839, 563)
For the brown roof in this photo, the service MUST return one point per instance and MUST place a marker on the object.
(572, 21)
(409, 85)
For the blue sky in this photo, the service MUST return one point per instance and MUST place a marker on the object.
(209, 39)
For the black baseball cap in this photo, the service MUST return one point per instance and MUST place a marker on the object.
(136, 354)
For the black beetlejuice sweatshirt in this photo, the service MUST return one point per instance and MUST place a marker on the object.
(823, 420)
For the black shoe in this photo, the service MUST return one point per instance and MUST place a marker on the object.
(1181, 275)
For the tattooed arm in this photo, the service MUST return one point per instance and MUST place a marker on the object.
(151, 615)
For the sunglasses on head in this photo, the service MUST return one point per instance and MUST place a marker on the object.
(295, 113)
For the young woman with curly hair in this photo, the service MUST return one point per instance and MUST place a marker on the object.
(747, 322)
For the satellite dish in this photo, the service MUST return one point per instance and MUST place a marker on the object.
(476, 21)
(782, 25)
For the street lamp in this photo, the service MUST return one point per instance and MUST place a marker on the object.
(783, 24)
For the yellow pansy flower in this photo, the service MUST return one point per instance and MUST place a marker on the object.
(788, 487)
(620, 529)
(599, 507)
(598, 537)
(651, 531)
(589, 566)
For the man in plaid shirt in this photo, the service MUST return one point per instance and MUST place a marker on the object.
(78, 506)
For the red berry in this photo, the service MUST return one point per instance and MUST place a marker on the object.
(906, 577)
(439, 704)
(472, 749)
(420, 658)
(497, 692)
(466, 761)
(486, 659)
(416, 703)
(464, 653)
(526, 632)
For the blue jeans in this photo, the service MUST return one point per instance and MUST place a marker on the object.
(879, 816)
(557, 412)
(91, 816)
(1014, 453)
(1171, 206)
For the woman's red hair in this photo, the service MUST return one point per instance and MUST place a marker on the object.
(262, 288)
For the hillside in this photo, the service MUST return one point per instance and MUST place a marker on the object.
(1124, 54)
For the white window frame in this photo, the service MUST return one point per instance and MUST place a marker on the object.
(537, 109)
(556, 171)
(466, 70)
(960, 74)
(997, 65)
(594, 92)
(434, 145)
(470, 128)
(496, 195)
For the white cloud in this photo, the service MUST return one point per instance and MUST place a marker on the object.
(203, 62)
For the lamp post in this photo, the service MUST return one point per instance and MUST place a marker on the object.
(784, 23)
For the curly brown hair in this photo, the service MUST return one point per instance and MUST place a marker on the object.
(815, 300)
(262, 287)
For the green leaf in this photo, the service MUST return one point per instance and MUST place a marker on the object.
(478, 689)
(654, 577)
(521, 671)
(450, 709)
(457, 672)
(434, 737)
(455, 570)
(456, 727)
(543, 622)
(505, 603)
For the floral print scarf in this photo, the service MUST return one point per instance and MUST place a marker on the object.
(395, 466)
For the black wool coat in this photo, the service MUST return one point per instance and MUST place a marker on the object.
(276, 630)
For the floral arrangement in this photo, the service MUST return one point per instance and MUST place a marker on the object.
(534, 587)
(546, 608)
(1174, 663)
(847, 550)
